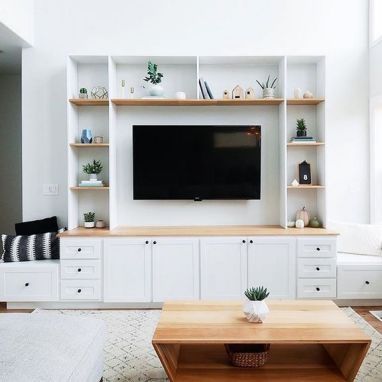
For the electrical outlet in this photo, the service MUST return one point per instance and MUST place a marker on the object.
(50, 189)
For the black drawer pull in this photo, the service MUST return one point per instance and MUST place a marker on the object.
(79, 291)
(26, 284)
(146, 242)
(317, 289)
(251, 241)
(154, 242)
(79, 270)
(79, 249)
(317, 268)
(318, 249)
(367, 282)
(243, 241)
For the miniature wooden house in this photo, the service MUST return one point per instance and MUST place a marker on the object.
(237, 92)
(250, 94)
(226, 95)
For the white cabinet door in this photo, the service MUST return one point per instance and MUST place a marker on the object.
(223, 267)
(175, 268)
(127, 270)
(272, 263)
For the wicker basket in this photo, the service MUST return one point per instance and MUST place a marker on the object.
(248, 355)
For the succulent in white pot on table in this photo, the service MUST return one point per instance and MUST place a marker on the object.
(154, 78)
(89, 220)
(255, 308)
(268, 87)
(93, 169)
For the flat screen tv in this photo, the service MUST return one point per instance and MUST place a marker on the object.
(196, 162)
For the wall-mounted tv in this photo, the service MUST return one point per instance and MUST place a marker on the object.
(196, 162)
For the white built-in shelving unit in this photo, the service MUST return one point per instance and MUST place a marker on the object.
(182, 74)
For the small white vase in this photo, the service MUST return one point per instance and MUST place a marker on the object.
(255, 311)
(268, 93)
(156, 91)
(89, 224)
(93, 177)
(297, 93)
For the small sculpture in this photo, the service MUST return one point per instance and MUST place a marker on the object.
(299, 223)
(237, 92)
(297, 93)
(314, 223)
(99, 92)
(308, 94)
(250, 94)
(295, 183)
(226, 95)
(86, 136)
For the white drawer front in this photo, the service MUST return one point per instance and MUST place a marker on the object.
(29, 286)
(362, 282)
(80, 290)
(80, 249)
(316, 247)
(80, 269)
(316, 288)
(313, 268)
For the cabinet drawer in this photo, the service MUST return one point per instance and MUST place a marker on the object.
(80, 249)
(37, 285)
(324, 267)
(80, 269)
(316, 288)
(362, 282)
(80, 289)
(316, 247)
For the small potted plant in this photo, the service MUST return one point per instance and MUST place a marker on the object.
(268, 87)
(93, 169)
(255, 308)
(83, 93)
(155, 78)
(89, 220)
(301, 128)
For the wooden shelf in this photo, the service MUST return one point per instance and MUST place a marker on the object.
(89, 102)
(290, 144)
(196, 102)
(306, 187)
(305, 101)
(92, 145)
(78, 188)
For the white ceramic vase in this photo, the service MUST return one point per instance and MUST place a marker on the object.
(268, 93)
(156, 91)
(255, 311)
(89, 224)
(297, 93)
(93, 177)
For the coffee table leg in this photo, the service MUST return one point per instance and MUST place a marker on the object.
(168, 355)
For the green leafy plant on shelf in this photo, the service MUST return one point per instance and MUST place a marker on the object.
(83, 91)
(256, 294)
(301, 127)
(93, 168)
(89, 217)
(153, 76)
(268, 84)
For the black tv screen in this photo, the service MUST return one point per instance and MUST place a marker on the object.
(196, 162)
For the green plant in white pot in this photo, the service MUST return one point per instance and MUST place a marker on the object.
(154, 78)
(268, 87)
(255, 308)
(89, 220)
(93, 169)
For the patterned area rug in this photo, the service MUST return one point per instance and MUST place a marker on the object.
(129, 355)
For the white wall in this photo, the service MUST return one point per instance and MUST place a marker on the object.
(10, 153)
(375, 70)
(216, 27)
(17, 15)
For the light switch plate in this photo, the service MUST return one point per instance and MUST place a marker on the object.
(50, 189)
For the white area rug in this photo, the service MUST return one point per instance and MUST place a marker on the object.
(129, 355)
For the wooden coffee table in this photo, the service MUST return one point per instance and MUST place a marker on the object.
(310, 341)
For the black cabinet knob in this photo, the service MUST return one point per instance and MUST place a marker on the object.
(318, 249)
(79, 291)
(317, 268)
(79, 250)
(251, 241)
(146, 242)
(367, 282)
(243, 241)
(79, 270)
(317, 289)
(26, 284)
(154, 242)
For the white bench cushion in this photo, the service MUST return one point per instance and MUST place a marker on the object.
(50, 347)
(351, 259)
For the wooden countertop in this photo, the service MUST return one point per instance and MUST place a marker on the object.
(239, 230)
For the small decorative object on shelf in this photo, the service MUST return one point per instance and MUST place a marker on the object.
(209, 91)
(255, 308)
(155, 78)
(99, 92)
(93, 169)
(100, 224)
(83, 93)
(302, 215)
(226, 94)
(308, 94)
(291, 224)
(301, 128)
(237, 92)
(86, 136)
(89, 220)
(300, 223)
(203, 88)
(295, 183)
(314, 222)
(250, 94)
(268, 87)
(123, 89)
(297, 93)
(247, 355)
(304, 173)
(131, 94)
(180, 95)
(98, 139)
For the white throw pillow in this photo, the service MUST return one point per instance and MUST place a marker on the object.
(359, 239)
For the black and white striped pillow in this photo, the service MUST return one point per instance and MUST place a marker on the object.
(27, 248)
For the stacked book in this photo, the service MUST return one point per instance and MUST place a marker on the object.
(303, 140)
(205, 89)
(91, 183)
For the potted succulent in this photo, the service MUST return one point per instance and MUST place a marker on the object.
(268, 87)
(155, 78)
(301, 128)
(83, 93)
(89, 220)
(93, 169)
(255, 308)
